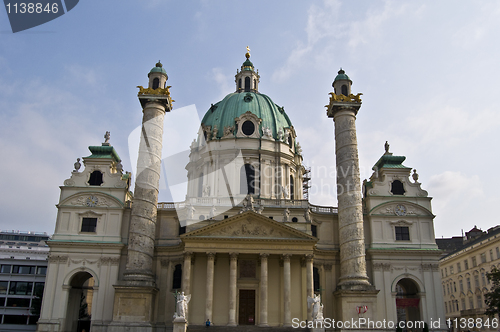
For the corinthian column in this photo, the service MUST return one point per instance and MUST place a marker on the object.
(233, 268)
(343, 109)
(263, 289)
(309, 283)
(186, 273)
(210, 285)
(287, 290)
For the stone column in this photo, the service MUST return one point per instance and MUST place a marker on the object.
(210, 285)
(287, 283)
(263, 289)
(310, 283)
(350, 211)
(233, 269)
(144, 207)
(186, 273)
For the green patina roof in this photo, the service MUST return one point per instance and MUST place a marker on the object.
(390, 161)
(341, 76)
(158, 69)
(105, 151)
(247, 65)
(224, 113)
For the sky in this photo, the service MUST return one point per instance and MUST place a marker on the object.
(427, 69)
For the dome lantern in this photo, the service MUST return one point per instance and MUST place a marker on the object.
(247, 80)
(157, 76)
(342, 83)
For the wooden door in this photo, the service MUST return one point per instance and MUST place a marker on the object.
(247, 307)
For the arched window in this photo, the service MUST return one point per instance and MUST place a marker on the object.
(255, 84)
(156, 83)
(290, 141)
(344, 90)
(239, 84)
(177, 279)
(200, 185)
(95, 178)
(397, 188)
(247, 84)
(292, 188)
(247, 179)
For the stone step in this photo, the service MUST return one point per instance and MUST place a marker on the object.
(242, 328)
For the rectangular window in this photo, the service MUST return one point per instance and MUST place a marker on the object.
(463, 304)
(474, 263)
(471, 303)
(479, 301)
(476, 281)
(23, 269)
(445, 271)
(459, 267)
(2, 301)
(448, 288)
(483, 257)
(446, 307)
(17, 302)
(6, 268)
(461, 284)
(20, 288)
(451, 269)
(38, 290)
(466, 264)
(3, 287)
(491, 254)
(89, 225)
(444, 290)
(483, 278)
(498, 252)
(468, 283)
(402, 233)
(454, 287)
(15, 319)
(41, 270)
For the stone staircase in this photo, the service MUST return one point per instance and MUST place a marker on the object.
(242, 328)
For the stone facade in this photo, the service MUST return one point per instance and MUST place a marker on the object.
(244, 245)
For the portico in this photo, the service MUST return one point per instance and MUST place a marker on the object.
(241, 270)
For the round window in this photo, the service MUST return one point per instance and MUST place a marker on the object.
(248, 128)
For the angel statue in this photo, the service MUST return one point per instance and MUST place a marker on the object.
(315, 301)
(182, 305)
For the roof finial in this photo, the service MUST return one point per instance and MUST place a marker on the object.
(158, 64)
(248, 52)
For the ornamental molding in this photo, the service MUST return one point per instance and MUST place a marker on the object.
(248, 225)
(83, 199)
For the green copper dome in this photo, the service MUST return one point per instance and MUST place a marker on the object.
(158, 69)
(224, 113)
(247, 65)
(341, 76)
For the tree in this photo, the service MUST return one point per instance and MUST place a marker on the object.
(492, 298)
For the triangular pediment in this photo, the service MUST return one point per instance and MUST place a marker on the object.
(249, 225)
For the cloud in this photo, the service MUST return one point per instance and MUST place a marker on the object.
(223, 82)
(327, 33)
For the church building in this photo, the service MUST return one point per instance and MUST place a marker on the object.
(246, 245)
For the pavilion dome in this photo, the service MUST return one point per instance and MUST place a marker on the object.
(224, 113)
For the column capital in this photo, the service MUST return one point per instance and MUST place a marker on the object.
(286, 257)
(233, 255)
(188, 254)
(264, 255)
(309, 257)
(211, 255)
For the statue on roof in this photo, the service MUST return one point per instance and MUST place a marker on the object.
(107, 136)
(386, 146)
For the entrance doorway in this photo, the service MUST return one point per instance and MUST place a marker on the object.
(79, 308)
(247, 307)
(407, 301)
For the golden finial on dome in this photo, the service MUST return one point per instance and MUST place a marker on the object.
(248, 52)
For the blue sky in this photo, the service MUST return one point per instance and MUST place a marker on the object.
(428, 71)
